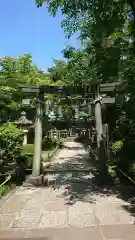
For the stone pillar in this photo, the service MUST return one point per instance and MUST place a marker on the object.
(51, 133)
(76, 111)
(102, 157)
(47, 107)
(89, 110)
(59, 111)
(38, 136)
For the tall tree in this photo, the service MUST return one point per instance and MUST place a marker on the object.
(58, 71)
(14, 71)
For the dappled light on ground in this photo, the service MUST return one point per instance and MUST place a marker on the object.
(74, 199)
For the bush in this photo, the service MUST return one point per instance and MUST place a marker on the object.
(132, 170)
(5, 189)
(26, 157)
(48, 143)
(112, 172)
(116, 146)
(25, 160)
(11, 139)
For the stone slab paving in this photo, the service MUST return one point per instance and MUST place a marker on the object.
(73, 153)
(71, 210)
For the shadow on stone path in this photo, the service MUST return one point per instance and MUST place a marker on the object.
(73, 203)
(76, 173)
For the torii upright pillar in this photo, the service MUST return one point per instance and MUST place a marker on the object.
(38, 136)
(102, 157)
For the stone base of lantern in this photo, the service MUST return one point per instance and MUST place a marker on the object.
(34, 181)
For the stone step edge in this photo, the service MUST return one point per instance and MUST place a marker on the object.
(55, 170)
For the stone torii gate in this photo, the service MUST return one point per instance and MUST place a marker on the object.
(95, 91)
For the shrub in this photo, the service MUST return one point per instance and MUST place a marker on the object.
(11, 139)
(48, 143)
(5, 189)
(25, 160)
(132, 170)
(116, 146)
(112, 172)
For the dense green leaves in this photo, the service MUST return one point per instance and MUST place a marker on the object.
(58, 72)
(16, 71)
(103, 26)
(11, 139)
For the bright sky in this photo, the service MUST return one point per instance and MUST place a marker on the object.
(27, 29)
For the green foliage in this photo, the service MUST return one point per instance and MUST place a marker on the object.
(116, 146)
(58, 72)
(48, 143)
(26, 157)
(5, 189)
(25, 160)
(16, 71)
(97, 24)
(67, 111)
(112, 172)
(84, 116)
(132, 169)
(104, 29)
(20, 70)
(11, 142)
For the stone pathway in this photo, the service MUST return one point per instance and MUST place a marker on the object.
(74, 208)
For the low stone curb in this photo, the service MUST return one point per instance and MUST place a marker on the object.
(56, 150)
(47, 162)
(53, 153)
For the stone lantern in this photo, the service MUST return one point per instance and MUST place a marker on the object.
(24, 123)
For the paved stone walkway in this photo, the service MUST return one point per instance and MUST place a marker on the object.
(74, 208)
